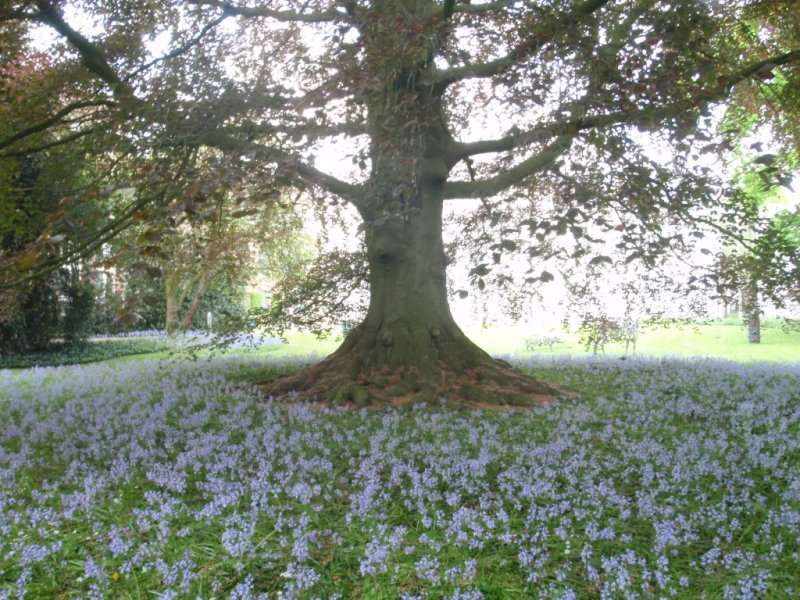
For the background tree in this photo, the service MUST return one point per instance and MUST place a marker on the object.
(34, 216)
(766, 107)
(208, 236)
(766, 264)
(417, 85)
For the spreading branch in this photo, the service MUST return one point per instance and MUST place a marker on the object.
(51, 121)
(477, 9)
(227, 143)
(461, 151)
(180, 49)
(527, 48)
(92, 57)
(328, 16)
(516, 174)
(69, 138)
(759, 66)
(324, 180)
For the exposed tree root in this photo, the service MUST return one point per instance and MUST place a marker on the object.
(348, 378)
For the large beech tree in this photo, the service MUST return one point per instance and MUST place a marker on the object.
(429, 102)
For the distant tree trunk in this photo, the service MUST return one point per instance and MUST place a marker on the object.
(173, 307)
(731, 308)
(752, 313)
(197, 299)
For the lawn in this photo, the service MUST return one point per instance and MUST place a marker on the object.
(720, 339)
(726, 340)
(662, 478)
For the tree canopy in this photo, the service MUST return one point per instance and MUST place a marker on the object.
(589, 116)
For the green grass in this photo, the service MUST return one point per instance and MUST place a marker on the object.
(723, 340)
(720, 339)
(301, 343)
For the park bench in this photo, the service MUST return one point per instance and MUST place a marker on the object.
(533, 343)
(599, 331)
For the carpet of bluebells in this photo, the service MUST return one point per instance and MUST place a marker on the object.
(661, 479)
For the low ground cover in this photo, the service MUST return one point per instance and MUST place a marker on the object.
(130, 344)
(88, 352)
(661, 479)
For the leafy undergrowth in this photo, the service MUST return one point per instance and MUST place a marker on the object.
(147, 342)
(91, 351)
(662, 479)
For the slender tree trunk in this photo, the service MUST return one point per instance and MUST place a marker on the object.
(752, 313)
(171, 292)
(197, 299)
(176, 295)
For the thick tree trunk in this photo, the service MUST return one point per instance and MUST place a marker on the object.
(409, 348)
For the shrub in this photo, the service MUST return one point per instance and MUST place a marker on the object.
(34, 323)
(62, 354)
(78, 300)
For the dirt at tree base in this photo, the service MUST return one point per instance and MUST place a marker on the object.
(494, 385)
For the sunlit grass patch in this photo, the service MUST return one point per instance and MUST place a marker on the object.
(727, 340)
(662, 478)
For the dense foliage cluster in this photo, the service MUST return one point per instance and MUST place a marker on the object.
(662, 478)
(588, 86)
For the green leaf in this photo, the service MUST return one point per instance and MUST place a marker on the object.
(509, 245)
(600, 259)
(480, 270)
(244, 213)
